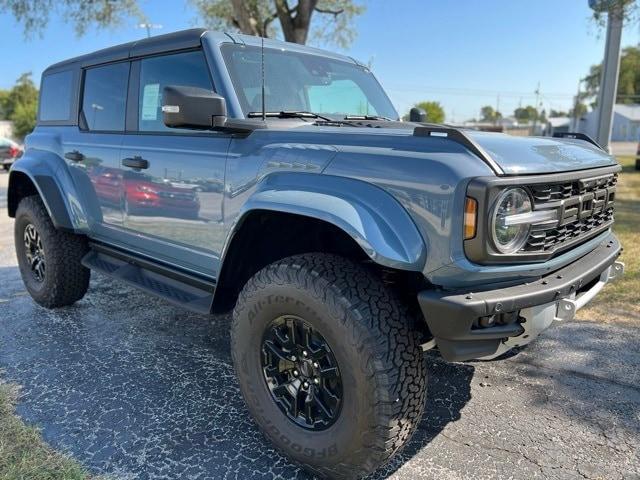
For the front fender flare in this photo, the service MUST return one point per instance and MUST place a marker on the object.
(368, 214)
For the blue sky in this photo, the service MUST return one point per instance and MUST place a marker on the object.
(460, 53)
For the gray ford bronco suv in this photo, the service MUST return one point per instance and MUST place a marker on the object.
(278, 181)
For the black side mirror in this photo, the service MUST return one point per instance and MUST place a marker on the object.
(417, 115)
(192, 107)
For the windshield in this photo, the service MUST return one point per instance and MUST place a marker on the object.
(303, 82)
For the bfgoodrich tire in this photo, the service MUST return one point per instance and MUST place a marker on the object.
(328, 364)
(49, 259)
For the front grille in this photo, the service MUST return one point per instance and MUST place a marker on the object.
(585, 207)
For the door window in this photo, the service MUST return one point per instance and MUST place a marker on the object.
(104, 98)
(185, 69)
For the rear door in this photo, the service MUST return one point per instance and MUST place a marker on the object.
(172, 179)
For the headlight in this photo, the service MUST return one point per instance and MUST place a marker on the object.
(509, 236)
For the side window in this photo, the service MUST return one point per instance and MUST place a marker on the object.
(104, 99)
(55, 97)
(185, 69)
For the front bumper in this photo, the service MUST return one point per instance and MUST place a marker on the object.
(484, 324)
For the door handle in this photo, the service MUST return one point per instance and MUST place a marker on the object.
(74, 156)
(135, 162)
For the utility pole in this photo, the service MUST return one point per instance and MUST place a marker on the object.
(610, 67)
(535, 118)
(495, 120)
(576, 118)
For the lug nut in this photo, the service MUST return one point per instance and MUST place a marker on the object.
(304, 353)
(305, 384)
(293, 358)
(316, 381)
(295, 373)
(316, 364)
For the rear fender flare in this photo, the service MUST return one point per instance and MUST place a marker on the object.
(51, 178)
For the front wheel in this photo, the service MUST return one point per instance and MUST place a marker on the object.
(328, 363)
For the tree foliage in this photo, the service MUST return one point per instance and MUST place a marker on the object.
(579, 110)
(34, 15)
(630, 11)
(434, 111)
(292, 20)
(20, 105)
(527, 114)
(331, 19)
(628, 78)
(489, 114)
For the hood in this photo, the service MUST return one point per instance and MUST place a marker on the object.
(528, 155)
(514, 155)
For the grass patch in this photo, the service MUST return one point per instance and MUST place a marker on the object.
(620, 301)
(23, 453)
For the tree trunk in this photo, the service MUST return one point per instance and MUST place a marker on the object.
(295, 22)
(245, 20)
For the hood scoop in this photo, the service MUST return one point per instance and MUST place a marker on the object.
(511, 155)
(460, 137)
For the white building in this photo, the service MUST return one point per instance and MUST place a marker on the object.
(6, 129)
(625, 127)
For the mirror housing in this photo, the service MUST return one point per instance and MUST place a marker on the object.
(192, 107)
(417, 115)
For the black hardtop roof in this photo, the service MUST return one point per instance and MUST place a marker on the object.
(181, 40)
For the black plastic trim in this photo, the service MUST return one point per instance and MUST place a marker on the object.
(451, 315)
(578, 136)
(458, 136)
(169, 272)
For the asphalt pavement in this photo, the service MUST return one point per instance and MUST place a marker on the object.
(133, 387)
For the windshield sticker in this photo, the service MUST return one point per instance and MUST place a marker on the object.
(150, 101)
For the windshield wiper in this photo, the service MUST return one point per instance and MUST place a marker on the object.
(368, 117)
(288, 114)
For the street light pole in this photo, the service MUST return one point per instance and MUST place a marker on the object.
(148, 26)
(610, 67)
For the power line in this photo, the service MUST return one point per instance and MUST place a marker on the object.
(475, 92)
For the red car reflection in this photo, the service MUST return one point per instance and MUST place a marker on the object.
(142, 195)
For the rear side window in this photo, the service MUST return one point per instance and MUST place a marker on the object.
(55, 97)
(104, 99)
(185, 69)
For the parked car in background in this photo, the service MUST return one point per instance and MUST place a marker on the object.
(10, 151)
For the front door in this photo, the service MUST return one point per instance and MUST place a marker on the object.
(92, 150)
(172, 179)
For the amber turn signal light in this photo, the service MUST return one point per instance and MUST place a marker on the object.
(470, 217)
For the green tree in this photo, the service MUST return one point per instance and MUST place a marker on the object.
(434, 111)
(526, 114)
(4, 94)
(489, 114)
(34, 15)
(558, 113)
(20, 105)
(294, 19)
(578, 110)
(628, 78)
(24, 119)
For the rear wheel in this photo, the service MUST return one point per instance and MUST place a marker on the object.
(49, 259)
(328, 363)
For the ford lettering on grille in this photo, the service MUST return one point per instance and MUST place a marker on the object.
(585, 207)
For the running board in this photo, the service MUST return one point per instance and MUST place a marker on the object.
(177, 287)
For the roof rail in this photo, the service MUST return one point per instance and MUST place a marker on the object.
(459, 136)
(578, 136)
